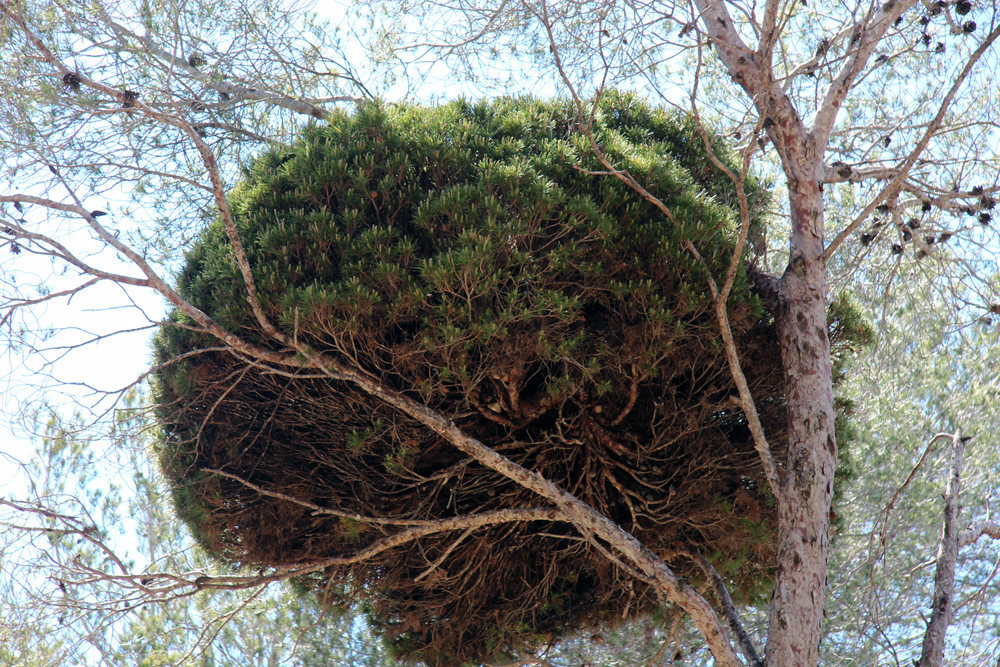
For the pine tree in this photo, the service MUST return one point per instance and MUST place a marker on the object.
(467, 255)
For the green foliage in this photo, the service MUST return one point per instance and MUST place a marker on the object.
(925, 376)
(468, 255)
(394, 216)
(850, 334)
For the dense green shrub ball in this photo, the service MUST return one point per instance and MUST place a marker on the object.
(477, 258)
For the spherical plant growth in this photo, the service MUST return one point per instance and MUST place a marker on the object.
(467, 256)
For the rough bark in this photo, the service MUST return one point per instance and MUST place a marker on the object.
(932, 652)
(806, 488)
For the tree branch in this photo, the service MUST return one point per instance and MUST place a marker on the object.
(883, 516)
(867, 34)
(728, 609)
(972, 534)
(317, 510)
(896, 184)
(932, 653)
(583, 515)
(234, 90)
(720, 298)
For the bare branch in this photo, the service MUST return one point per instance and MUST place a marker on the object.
(883, 517)
(237, 91)
(932, 654)
(745, 399)
(317, 510)
(866, 34)
(972, 534)
(728, 609)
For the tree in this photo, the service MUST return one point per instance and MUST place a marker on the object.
(465, 255)
(792, 84)
(804, 96)
(937, 381)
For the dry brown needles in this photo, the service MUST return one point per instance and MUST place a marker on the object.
(458, 255)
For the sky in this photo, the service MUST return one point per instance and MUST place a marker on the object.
(101, 348)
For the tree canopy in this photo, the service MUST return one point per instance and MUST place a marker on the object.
(468, 255)
(124, 127)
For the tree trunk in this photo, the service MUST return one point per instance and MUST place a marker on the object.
(807, 486)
